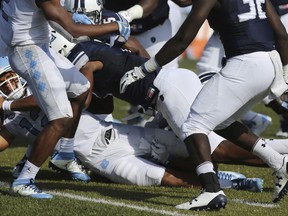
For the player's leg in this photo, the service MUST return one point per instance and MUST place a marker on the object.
(76, 85)
(48, 87)
(205, 116)
(177, 91)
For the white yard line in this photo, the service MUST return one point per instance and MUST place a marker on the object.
(120, 204)
(109, 202)
(142, 208)
(264, 205)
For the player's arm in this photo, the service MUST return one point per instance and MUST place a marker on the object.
(87, 70)
(148, 6)
(21, 104)
(187, 32)
(61, 20)
(6, 138)
(175, 46)
(281, 37)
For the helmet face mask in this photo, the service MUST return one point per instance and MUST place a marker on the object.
(91, 8)
(12, 86)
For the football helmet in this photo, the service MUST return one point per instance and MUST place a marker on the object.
(59, 43)
(91, 8)
(12, 86)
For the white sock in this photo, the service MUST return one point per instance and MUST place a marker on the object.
(29, 171)
(205, 167)
(279, 145)
(268, 155)
(66, 145)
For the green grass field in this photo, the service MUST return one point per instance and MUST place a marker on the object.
(101, 197)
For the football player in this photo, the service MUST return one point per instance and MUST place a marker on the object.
(27, 37)
(242, 82)
(168, 93)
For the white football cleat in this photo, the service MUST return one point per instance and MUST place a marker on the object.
(226, 178)
(206, 201)
(27, 188)
(281, 181)
(71, 167)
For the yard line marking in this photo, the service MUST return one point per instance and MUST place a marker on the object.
(108, 202)
(4, 184)
(120, 204)
(264, 205)
(164, 212)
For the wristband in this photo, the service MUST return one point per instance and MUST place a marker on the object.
(150, 66)
(135, 12)
(6, 105)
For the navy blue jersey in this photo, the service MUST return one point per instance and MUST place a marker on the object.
(116, 62)
(281, 6)
(157, 17)
(243, 27)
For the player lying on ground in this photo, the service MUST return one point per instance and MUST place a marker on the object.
(108, 148)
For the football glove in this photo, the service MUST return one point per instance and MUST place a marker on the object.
(130, 77)
(124, 29)
(138, 73)
(81, 18)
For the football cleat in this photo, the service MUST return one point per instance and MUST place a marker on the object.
(19, 166)
(281, 181)
(206, 201)
(27, 188)
(71, 167)
(258, 124)
(225, 178)
(250, 184)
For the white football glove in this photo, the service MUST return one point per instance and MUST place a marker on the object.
(159, 152)
(130, 77)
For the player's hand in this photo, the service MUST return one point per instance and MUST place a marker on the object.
(159, 152)
(81, 18)
(124, 29)
(130, 77)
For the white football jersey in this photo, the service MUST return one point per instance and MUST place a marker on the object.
(24, 23)
(25, 125)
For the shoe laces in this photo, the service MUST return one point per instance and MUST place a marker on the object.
(32, 187)
(74, 166)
